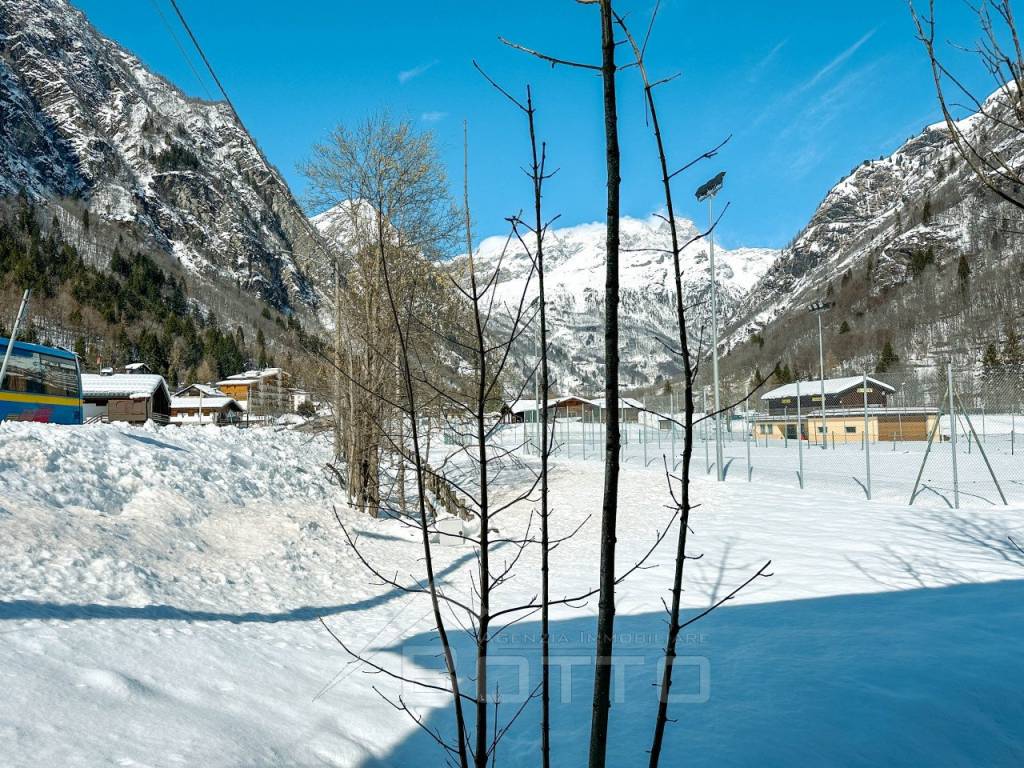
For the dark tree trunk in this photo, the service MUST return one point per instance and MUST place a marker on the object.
(609, 508)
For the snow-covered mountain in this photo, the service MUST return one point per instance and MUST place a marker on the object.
(574, 284)
(914, 249)
(83, 121)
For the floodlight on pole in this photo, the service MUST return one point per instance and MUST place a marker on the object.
(707, 191)
(819, 308)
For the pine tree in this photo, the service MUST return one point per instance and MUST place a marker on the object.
(926, 211)
(844, 328)
(990, 361)
(963, 273)
(887, 359)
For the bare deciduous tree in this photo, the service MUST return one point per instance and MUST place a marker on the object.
(987, 145)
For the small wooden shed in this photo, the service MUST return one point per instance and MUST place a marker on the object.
(132, 397)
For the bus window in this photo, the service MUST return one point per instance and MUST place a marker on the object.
(60, 376)
(24, 373)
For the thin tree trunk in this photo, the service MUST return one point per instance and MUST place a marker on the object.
(545, 381)
(481, 752)
(609, 510)
(410, 395)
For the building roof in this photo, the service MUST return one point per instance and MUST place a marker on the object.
(122, 385)
(136, 367)
(253, 376)
(832, 387)
(206, 389)
(522, 406)
(208, 403)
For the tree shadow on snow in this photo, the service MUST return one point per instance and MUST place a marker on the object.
(21, 610)
(917, 677)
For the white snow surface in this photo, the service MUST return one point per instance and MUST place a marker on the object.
(160, 590)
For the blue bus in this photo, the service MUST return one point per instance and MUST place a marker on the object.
(41, 384)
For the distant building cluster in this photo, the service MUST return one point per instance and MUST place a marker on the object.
(137, 395)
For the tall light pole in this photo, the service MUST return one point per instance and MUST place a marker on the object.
(819, 308)
(707, 191)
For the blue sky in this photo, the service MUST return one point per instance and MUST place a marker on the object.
(807, 93)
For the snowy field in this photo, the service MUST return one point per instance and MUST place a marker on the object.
(840, 468)
(160, 589)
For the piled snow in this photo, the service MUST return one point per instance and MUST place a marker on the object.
(160, 589)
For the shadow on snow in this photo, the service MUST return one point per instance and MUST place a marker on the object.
(916, 677)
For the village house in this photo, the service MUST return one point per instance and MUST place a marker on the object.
(570, 408)
(132, 397)
(203, 404)
(842, 420)
(263, 391)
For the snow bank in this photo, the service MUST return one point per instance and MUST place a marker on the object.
(160, 591)
(110, 468)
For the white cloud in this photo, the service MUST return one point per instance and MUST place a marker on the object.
(755, 72)
(836, 62)
(408, 74)
(433, 117)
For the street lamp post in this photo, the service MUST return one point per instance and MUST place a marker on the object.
(819, 308)
(707, 191)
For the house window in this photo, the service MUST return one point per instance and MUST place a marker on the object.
(851, 430)
(821, 430)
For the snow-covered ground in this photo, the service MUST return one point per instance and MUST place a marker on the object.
(160, 589)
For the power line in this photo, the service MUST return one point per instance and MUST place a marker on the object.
(181, 48)
(307, 224)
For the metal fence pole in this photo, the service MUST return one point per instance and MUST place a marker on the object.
(867, 442)
(952, 434)
(746, 428)
(704, 424)
(799, 436)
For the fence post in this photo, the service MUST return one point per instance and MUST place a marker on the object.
(952, 434)
(799, 436)
(1013, 429)
(746, 428)
(643, 427)
(704, 423)
(867, 442)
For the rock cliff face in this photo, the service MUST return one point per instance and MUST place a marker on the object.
(913, 249)
(84, 122)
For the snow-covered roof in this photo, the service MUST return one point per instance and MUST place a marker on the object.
(208, 403)
(251, 377)
(523, 406)
(122, 385)
(136, 367)
(832, 387)
(206, 389)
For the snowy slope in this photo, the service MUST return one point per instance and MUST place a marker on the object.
(159, 595)
(574, 284)
(81, 117)
(922, 200)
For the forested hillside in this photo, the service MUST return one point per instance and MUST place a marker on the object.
(134, 307)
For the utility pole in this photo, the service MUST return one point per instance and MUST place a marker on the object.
(707, 191)
(819, 308)
(14, 335)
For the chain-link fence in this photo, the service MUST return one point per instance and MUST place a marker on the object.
(873, 439)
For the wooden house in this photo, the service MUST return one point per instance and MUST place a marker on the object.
(220, 410)
(847, 392)
(132, 397)
(844, 419)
